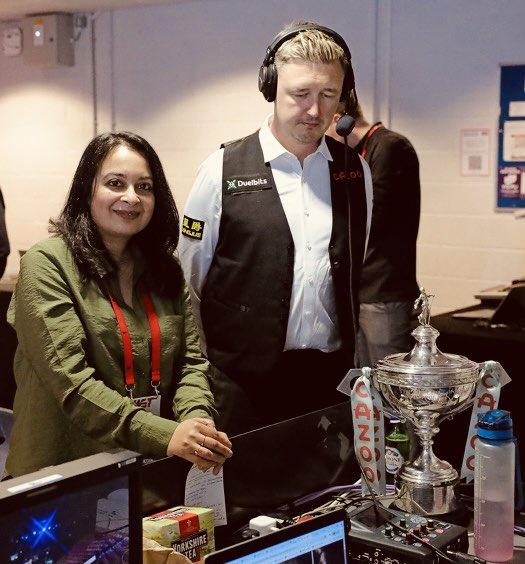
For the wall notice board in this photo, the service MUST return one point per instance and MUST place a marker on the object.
(511, 138)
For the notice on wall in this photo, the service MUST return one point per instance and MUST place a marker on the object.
(514, 141)
(511, 182)
(511, 139)
(475, 152)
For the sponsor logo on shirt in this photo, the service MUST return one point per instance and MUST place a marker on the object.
(352, 175)
(250, 183)
(192, 228)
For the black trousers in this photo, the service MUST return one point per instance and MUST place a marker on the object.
(302, 381)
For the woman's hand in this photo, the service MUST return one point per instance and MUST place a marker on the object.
(197, 441)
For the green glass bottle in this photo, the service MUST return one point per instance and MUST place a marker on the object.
(397, 448)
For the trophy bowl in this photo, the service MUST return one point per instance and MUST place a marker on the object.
(426, 386)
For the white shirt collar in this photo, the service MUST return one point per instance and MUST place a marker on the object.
(272, 149)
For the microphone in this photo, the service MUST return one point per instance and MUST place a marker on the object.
(344, 126)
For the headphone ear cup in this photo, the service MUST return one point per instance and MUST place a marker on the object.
(268, 81)
(262, 79)
(351, 103)
(348, 84)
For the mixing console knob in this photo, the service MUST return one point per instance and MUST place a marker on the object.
(388, 530)
(424, 529)
(403, 522)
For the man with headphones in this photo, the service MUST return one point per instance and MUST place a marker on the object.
(273, 239)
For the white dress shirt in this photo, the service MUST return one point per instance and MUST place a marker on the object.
(306, 199)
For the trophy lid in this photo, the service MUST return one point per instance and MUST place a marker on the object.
(425, 364)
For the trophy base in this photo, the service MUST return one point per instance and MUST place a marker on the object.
(428, 499)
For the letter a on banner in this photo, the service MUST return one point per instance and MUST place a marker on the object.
(491, 378)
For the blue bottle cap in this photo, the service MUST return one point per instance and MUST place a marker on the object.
(495, 425)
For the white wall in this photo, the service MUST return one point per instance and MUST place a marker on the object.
(184, 76)
(445, 77)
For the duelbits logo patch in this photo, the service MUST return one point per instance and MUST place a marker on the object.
(246, 184)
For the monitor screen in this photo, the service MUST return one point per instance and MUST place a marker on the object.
(318, 540)
(83, 511)
(274, 466)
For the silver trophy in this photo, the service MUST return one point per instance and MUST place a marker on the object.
(426, 386)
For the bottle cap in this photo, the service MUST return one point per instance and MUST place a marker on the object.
(495, 425)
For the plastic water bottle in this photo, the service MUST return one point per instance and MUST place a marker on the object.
(494, 487)
(397, 448)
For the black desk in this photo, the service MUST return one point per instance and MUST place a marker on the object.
(503, 344)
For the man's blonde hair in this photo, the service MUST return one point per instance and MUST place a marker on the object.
(310, 45)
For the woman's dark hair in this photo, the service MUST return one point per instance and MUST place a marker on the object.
(157, 241)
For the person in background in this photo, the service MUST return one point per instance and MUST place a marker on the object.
(388, 280)
(108, 352)
(265, 243)
(4, 239)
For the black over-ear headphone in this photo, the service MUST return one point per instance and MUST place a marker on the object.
(268, 71)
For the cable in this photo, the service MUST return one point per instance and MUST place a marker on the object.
(461, 557)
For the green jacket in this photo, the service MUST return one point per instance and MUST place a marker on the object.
(71, 399)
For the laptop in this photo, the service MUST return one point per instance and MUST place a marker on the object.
(86, 510)
(510, 311)
(275, 466)
(321, 539)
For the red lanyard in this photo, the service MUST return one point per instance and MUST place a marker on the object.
(368, 135)
(153, 321)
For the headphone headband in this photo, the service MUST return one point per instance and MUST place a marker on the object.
(289, 33)
(268, 71)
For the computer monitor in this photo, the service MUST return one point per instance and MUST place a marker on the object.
(318, 540)
(87, 510)
(274, 466)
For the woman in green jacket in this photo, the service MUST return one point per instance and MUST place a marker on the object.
(108, 352)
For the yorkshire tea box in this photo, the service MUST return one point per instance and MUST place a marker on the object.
(188, 530)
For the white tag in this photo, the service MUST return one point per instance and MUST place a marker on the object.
(492, 377)
(369, 432)
(149, 403)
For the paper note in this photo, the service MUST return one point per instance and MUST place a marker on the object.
(204, 489)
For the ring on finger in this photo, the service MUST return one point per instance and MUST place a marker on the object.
(203, 440)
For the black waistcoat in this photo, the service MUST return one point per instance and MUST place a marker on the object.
(246, 296)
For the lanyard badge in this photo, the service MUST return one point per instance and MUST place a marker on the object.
(149, 403)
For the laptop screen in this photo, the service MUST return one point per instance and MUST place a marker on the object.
(318, 540)
(276, 465)
(83, 511)
(511, 310)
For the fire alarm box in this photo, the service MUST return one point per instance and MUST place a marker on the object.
(48, 40)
